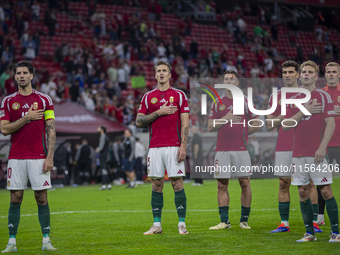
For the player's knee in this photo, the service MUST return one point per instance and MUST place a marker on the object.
(41, 197)
(284, 184)
(222, 184)
(326, 192)
(304, 192)
(16, 197)
(157, 185)
(177, 184)
(244, 183)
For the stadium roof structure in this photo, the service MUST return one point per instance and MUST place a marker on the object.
(72, 119)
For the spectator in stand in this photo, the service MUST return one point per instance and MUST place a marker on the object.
(268, 64)
(7, 55)
(36, 39)
(319, 33)
(152, 10)
(112, 73)
(96, 22)
(255, 71)
(35, 8)
(193, 48)
(52, 89)
(158, 10)
(230, 66)
(320, 20)
(140, 153)
(292, 39)
(92, 7)
(4, 76)
(215, 55)
(299, 54)
(122, 77)
(274, 29)
(267, 15)
(74, 91)
(81, 78)
(51, 21)
(328, 51)
(10, 85)
(30, 48)
(261, 15)
(161, 49)
(189, 26)
(61, 89)
(335, 23)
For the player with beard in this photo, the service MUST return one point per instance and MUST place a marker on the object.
(28, 116)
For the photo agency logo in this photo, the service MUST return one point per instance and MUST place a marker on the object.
(238, 103)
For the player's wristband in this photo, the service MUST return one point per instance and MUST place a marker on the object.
(49, 114)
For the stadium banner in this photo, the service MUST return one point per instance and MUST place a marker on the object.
(222, 114)
(138, 82)
(326, 3)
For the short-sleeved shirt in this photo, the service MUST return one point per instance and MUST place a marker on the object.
(334, 92)
(309, 131)
(165, 131)
(285, 139)
(235, 137)
(29, 142)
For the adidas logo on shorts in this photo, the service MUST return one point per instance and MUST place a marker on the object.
(324, 179)
(46, 184)
(180, 172)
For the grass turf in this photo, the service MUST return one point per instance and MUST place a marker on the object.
(85, 220)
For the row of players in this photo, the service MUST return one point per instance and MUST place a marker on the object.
(27, 114)
(306, 143)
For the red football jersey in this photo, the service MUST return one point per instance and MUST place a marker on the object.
(334, 92)
(231, 138)
(29, 142)
(285, 139)
(165, 131)
(309, 131)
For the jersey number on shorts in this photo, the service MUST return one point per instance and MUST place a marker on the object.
(9, 173)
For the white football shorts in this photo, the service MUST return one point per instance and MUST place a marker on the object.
(164, 158)
(232, 164)
(19, 171)
(305, 170)
(283, 162)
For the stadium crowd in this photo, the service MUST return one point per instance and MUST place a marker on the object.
(98, 75)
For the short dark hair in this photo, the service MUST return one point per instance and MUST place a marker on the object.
(291, 63)
(23, 63)
(230, 72)
(161, 62)
(103, 128)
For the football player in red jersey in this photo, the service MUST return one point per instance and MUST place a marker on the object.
(232, 152)
(28, 115)
(332, 75)
(283, 150)
(311, 137)
(165, 110)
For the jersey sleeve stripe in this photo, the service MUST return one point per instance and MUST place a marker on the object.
(328, 96)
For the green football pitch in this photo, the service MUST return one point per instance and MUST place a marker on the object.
(85, 220)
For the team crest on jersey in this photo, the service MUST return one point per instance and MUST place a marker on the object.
(217, 172)
(15, 106)
(315, 101)
(154, 100)
(211, 113)
(2, 113)
(8, 183)
(35, 106)
(171, 99)
(222, 107)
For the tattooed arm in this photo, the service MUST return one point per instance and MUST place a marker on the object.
(144, 120)
(51, 137)
(182, 152)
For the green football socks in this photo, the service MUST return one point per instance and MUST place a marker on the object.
(307, 215)
(157, 205)
(224, 215)
(44, 218)
(181, 204)
(13, 218)
(333, 214)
